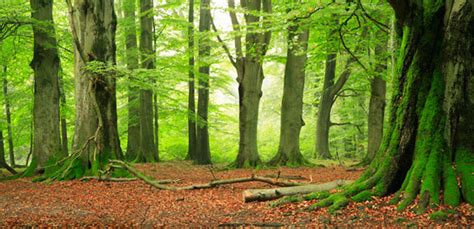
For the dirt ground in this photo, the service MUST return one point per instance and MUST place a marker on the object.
(136, 204)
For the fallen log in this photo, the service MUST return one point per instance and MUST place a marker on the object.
(250, 195)
(212, 184)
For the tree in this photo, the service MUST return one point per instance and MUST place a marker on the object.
(148, 150)
(327, 100)
(133, 129)
(191, 98)
(45, 63)
(249, 72)
(332, 89)
(428, 145)
(292, 102)
(203, 154)
(3, 163)
(62, 95)
(378, 91)
(93, 25)
(11, 151)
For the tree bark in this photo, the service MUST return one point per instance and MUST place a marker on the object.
(250, 77)
(45, 64)
(428, 147)
(93, 25)
(132, 56)
(191, 98)
(324, 110)
(292, 102)
(11, 152)
(203, 154)
(148, 150)
(62, 95)
(376, 116)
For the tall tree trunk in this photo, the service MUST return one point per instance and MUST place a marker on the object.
(376, 117)
(331, 90)
(96, 140)
(428, 146)
(324, 110)
(292, 103)
(62, 95)
(250, 78)
(156, 123)
(133, 129)
(203, 154)
(148, 150)
(378, 91)
(45, 64)
(191, 98)
(11, 152)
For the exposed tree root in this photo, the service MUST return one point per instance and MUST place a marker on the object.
(212, 184)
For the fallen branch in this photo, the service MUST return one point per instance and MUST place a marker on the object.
(250, 195)
(212, 184)
(125, 179)
(288, 177)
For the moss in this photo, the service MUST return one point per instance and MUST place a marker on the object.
(363, 196)
(429, 146)
(340, 201)
(286, 200)
(465, 168)
(317, 195)
(452, 195)
(439, 216)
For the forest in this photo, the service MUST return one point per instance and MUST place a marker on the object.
(237, 113)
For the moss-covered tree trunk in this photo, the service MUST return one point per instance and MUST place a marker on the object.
(45, 64)
(96, 138)
(428, 145)
(203, 153)
(292, 102)
(148, 150)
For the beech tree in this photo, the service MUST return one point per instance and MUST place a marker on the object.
(148, 149)
(428, 147)
(46, 64)
(249, 72)
(203, 154)
(292, 102)
(191, 88)
(11, 150)
(132, 56)
(93, 25)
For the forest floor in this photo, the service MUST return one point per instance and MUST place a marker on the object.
(135, 203)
